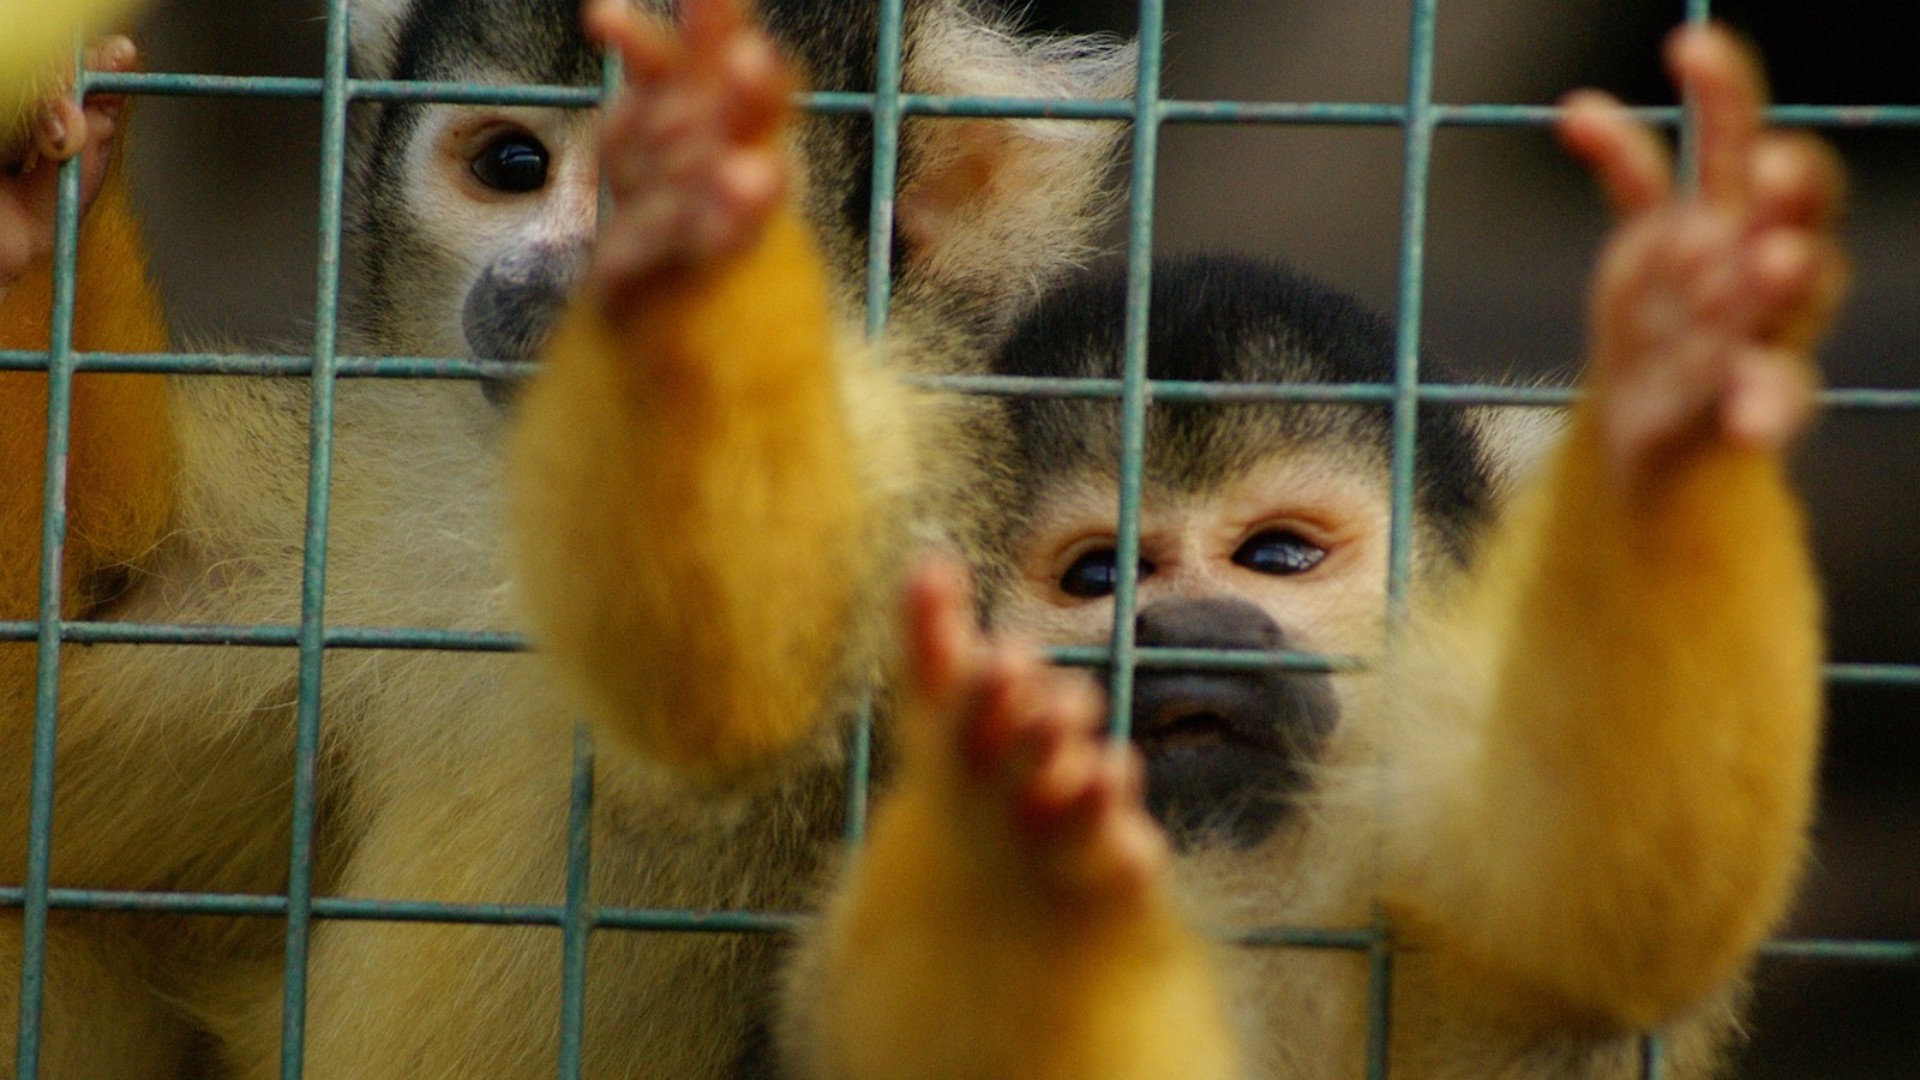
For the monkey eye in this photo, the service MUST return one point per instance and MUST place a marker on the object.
(514, 162)
(1096, 574)
(1279, 553)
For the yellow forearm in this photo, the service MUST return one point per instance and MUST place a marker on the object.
(121, 454)
(685, 504)
(937, 966)
(1645, 774)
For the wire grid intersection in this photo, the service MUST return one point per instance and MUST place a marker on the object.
(887, 106)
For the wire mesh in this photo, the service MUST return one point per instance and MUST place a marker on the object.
(887, 106)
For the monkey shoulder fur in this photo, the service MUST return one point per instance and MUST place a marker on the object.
(443, 776)
(1577, 783)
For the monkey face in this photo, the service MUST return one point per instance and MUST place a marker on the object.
(467, 223)
(508, 198)
(1290, 555)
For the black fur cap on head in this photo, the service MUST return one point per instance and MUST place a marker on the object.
(1218, 318)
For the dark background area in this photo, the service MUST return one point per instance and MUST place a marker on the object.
(229, 187)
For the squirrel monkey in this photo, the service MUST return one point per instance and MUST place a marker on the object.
(440, 771)
(1578, 784)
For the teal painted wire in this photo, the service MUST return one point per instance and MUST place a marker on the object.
(1698, 13)
(46, 687)
(1417, 140)
(576, 928)
(884, 177)
(1209, 659)
(1652, 1057)
(886, 161)
(1166, 390)
(1133, 391)
(1652, 1065)
(844, 103)
(576, 925)
(312, 641)
(1417, 166)
(483, 641)
(1889, 953)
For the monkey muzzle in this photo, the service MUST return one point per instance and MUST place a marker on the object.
(511, 310)
(1227, 752)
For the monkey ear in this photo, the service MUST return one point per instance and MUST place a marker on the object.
(1514, 442)
(990, 211)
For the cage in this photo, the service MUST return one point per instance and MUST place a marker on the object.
(1410, 133)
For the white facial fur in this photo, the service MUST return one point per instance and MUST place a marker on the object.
(475, 224)
(1190, 541)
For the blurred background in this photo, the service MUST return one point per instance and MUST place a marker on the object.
(229, 188)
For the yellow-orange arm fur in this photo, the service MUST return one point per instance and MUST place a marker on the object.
(1625, 821)
(693, 465)
(119, 468)
(934, 966)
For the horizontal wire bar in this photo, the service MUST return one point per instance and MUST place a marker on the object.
(1873, 674)
(1460, 394)
(1843, 950)
(203, 363)
(493, 641)
(851, 103)
(272, 636)
(1211, 659)
(691, 920)
(354, 909)
(427, 367)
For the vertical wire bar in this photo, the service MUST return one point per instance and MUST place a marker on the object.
(1417, 166)
(1134, 392)
(886, 161)
(1652, 1057)
(46, 677)
(333, 133)
(885, 176)
(1697, 13)
(577, 930)
(1418, 156)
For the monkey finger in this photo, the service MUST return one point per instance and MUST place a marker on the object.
(60, 131)
(1769, 398)
(646, 48)
(1796, 180)
(758, 88)
(1062, 786)
(115, 53)
(709, 25)
(1627, 158)
(1004, 729)
(943, 641)
(1723, 83)
(1799, 324)
(1102, 844)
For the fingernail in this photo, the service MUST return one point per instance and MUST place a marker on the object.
(54, 125)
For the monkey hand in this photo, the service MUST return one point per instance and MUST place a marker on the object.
(1705, 307)
(57, 130)
(1010, 914)
(690, 152)
(1047, 804)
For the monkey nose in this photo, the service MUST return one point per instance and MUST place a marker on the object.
(1219, 622)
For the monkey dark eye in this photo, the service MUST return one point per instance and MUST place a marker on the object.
(1279, 553)
(514, 162)
(1096, 574)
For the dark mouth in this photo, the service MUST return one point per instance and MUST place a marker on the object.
(1225, 760)
(1195, 731)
